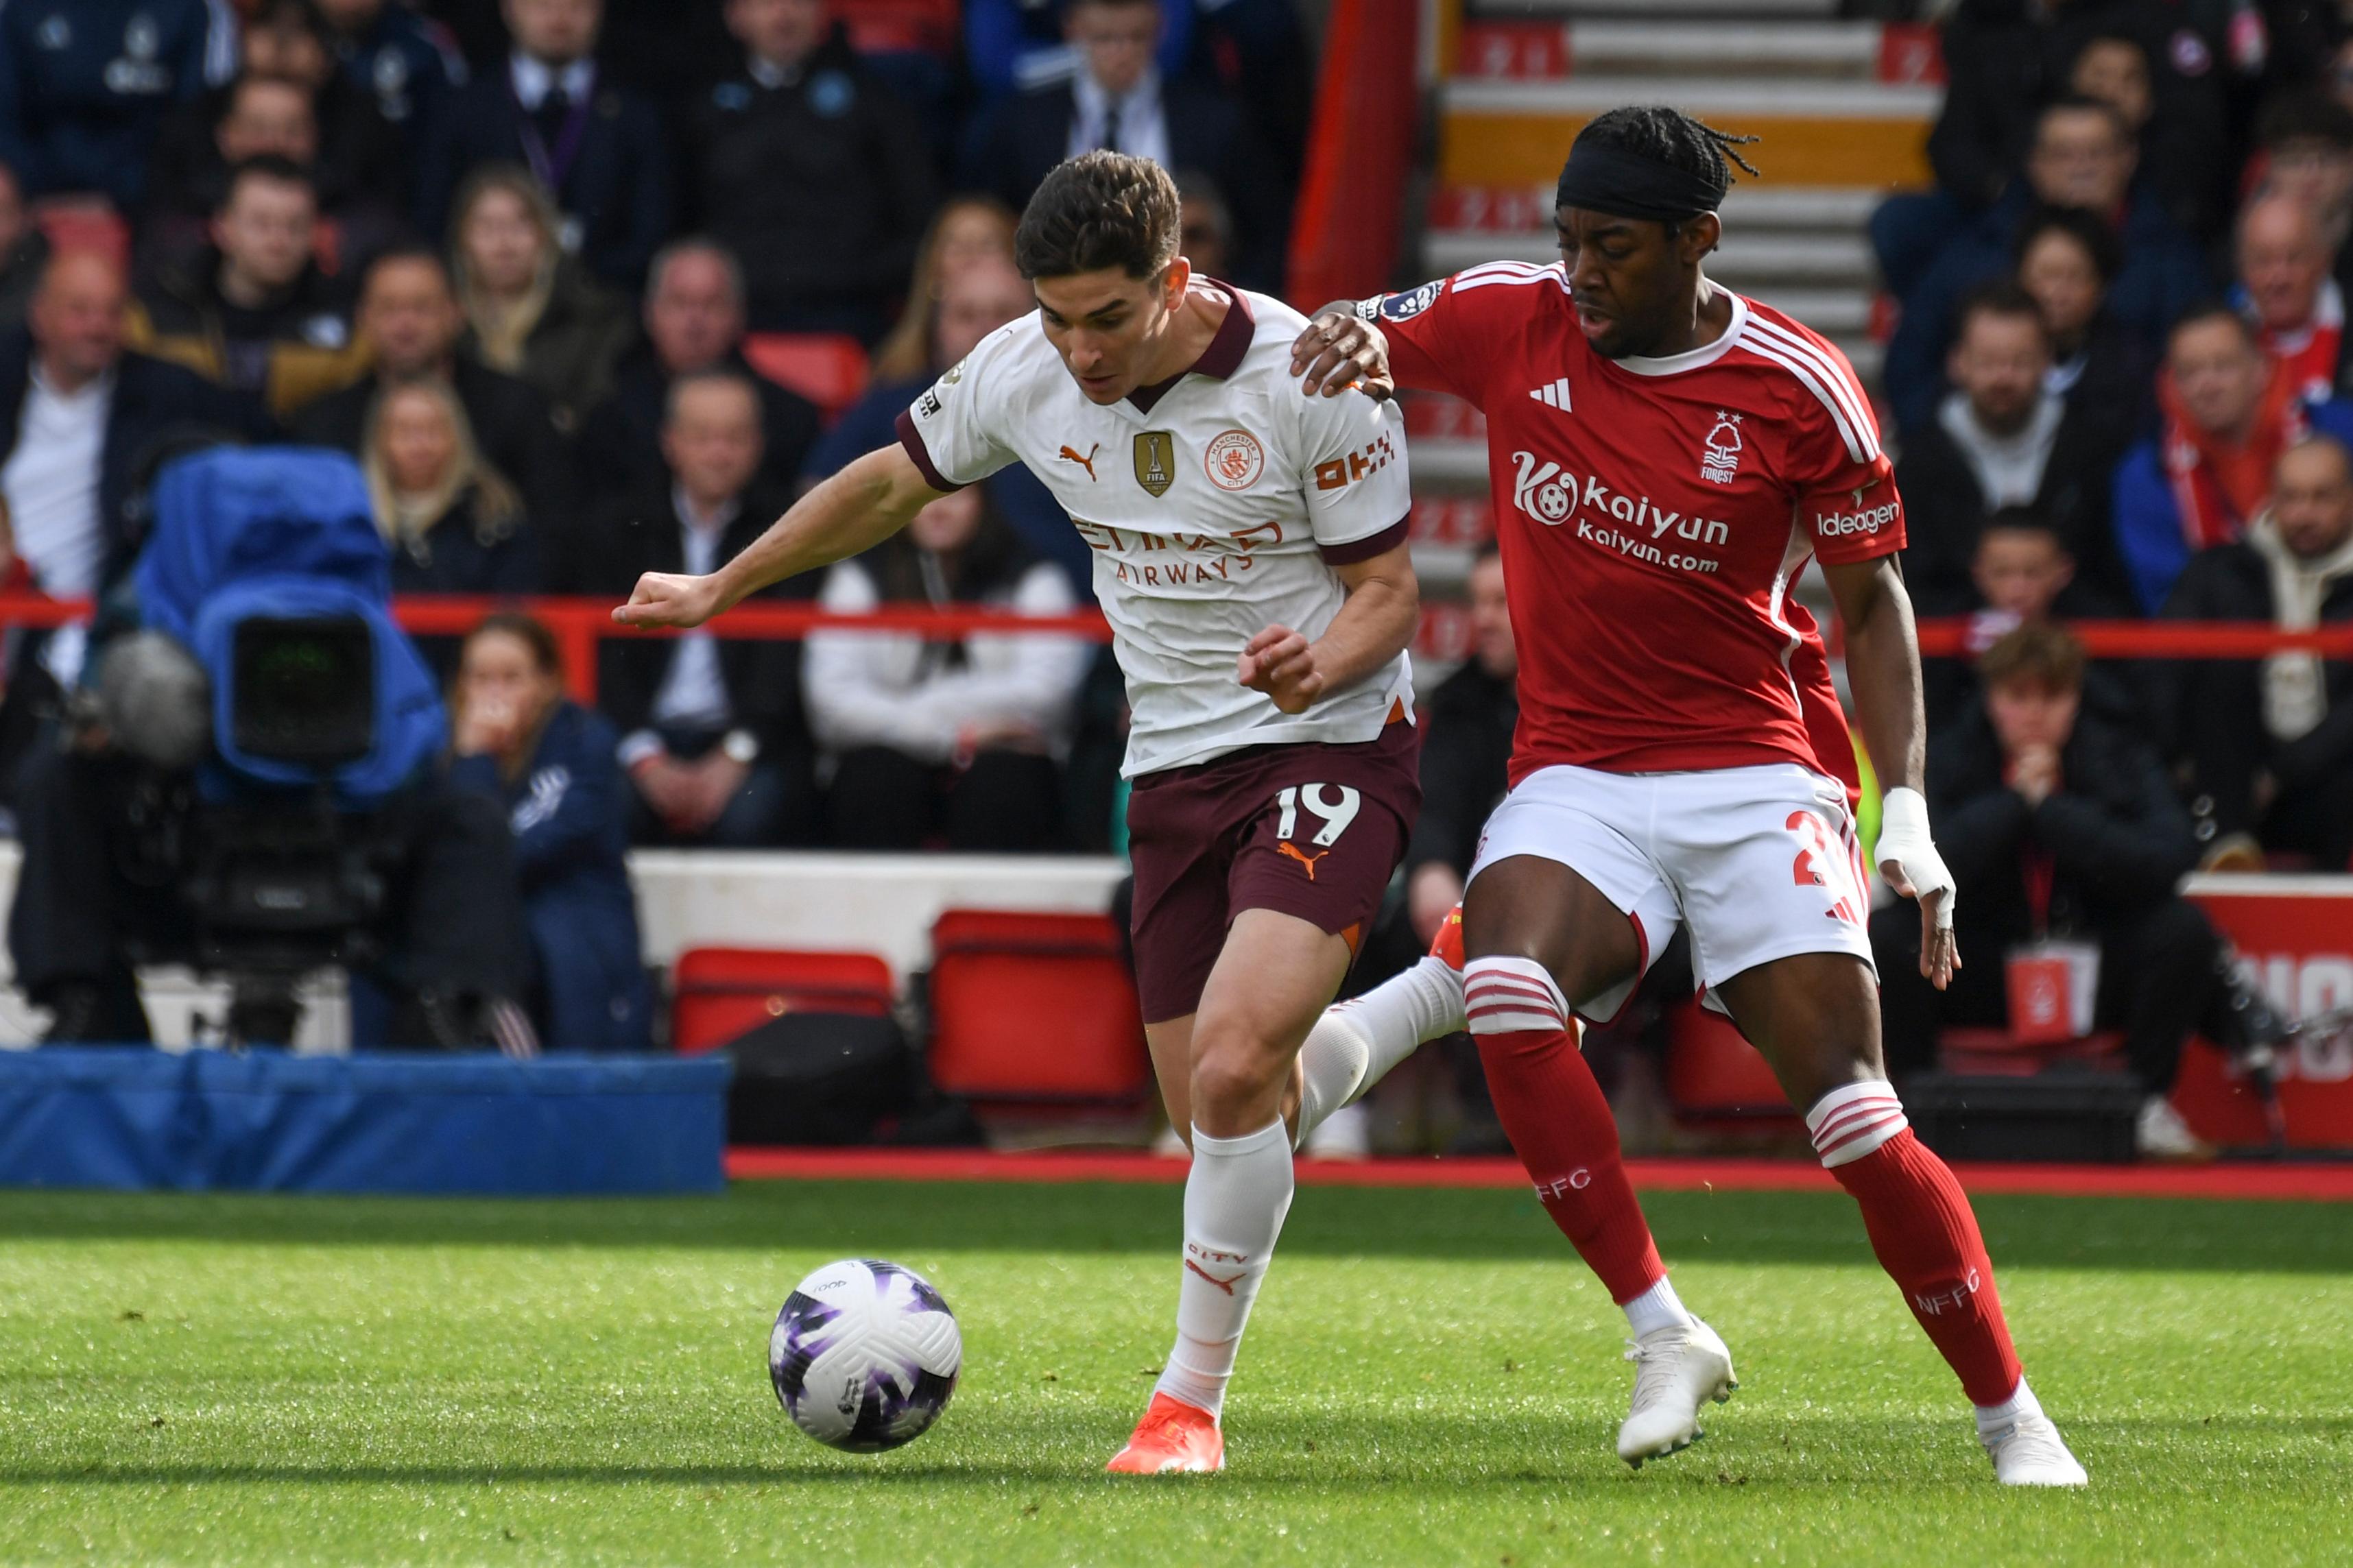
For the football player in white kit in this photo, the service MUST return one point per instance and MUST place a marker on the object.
(1250, 556)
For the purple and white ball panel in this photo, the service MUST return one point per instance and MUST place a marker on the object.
(865, 1355)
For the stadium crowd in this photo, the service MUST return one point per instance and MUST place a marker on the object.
(508, 255)
(520, 260)
(516, 259)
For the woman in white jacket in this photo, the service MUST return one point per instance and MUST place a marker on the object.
(955, 742)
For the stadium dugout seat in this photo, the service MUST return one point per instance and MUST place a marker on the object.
(1034, 1008)
(84, 223)
(724, 992)
(827, 368)
(1992, 1053)
(1714, 1076)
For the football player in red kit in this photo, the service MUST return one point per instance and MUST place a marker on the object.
(1666, 457)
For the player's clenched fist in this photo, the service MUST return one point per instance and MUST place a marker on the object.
(1282, 663)
(669, 599)
(1338, 350)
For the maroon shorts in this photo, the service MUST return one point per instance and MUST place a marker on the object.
(1306, 829)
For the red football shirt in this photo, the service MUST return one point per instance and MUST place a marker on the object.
(1653, 515)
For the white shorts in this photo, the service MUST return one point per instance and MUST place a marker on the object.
(1760, 862)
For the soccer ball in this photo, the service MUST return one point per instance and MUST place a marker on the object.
(865, 1355)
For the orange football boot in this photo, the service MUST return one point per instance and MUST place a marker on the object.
(1173, 1438)
(1448, 943)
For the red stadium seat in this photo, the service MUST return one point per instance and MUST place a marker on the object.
(85, 222)
(1713, 1074)
(886, 27)
(827, 368)
(723, 992)
(1035, 1008)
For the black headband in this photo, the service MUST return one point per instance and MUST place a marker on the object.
(1627, 185)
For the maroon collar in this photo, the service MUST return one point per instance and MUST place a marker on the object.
(1220, 359)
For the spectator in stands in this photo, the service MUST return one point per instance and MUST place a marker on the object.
(2023, 575)
(2305, 153)
(409, 325)
(965, 233)
(1463, 776)
(86, 84)
(1206, 224)
(693, 322)
(1010, 46)
(2066, 261)
(2269, 743)
(972, 301)
(2229, 412)
(2084, 156)
(254, 312)
(23, 253)
(455, 523)
(362, 158)
(81, 417)
(598, 147)
(532, 310)
(2186, 153)
(713, 736)
(2284, 288)
(252, 117)
(408, 64)
(358, 175)
(953, 740)
(549, 762)
(811, 172)
(2058, 829)
(2000, 438)
(1118, 99)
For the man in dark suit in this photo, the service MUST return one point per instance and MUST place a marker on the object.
(409, 323)
(1117, 99)
(807, 167)
(695, 322)
(597, 146)
(713, 732)
(2002, 438)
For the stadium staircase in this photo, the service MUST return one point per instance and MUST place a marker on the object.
(1843, 109)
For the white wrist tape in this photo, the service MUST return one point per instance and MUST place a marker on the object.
(1904, 843)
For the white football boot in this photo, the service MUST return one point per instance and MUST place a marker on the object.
(2026, 1449)
(1676, 1371)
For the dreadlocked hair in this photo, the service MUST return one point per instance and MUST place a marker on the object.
(1670, 136)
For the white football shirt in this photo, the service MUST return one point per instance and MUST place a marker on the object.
(1216, 504)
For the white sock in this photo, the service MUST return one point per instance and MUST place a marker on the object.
(2021, 1402)
(1235, 1198)
(1657, 1308)
(1356, 1043)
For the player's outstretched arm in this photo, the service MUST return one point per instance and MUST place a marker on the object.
(864, 504)
(1883, 662)
(1384, 606)
(1338, 349)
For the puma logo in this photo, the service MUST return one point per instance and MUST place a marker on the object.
(1071, 455)
(1224, 1285)
(1306, 860)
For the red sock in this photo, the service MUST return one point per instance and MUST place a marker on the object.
(1921, 1226)
(1559, 1120)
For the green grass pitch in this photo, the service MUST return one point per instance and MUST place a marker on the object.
(1431, 1378)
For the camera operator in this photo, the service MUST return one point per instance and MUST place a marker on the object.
(150, 836)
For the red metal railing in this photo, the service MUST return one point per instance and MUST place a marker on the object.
(579, 625)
